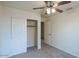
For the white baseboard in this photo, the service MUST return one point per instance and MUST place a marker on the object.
(65, 51)
(17, 53)
(61, 49)
(12, 54)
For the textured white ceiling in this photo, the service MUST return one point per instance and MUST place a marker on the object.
(29, 5)
(24, 5)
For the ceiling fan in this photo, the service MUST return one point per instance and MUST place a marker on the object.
(51, 6)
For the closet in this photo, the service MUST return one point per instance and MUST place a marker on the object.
(31, 33)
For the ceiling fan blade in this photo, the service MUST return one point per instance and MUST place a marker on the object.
(59, 10)
(38, 8)
(63, 2)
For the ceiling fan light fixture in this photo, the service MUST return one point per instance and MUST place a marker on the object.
(48, 11)
(55, 5)
(53, 10)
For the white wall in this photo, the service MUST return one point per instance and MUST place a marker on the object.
(65, 31)
(11, 20)
(18, 36)
(1, 34)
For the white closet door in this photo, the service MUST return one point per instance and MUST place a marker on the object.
(31, 36)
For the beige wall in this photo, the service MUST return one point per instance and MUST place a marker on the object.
(64, 31)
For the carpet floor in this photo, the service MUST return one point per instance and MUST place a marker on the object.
(45, 52)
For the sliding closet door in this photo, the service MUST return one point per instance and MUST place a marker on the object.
(31, 33)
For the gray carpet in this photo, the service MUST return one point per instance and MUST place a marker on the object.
(45, 52)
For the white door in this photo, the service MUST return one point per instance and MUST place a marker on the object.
(31, 36)
(48, 32)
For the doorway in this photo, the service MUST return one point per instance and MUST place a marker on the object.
(31, 33)
(42, 32)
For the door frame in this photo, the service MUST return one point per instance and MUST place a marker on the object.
(38, 32)
(35, 34)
